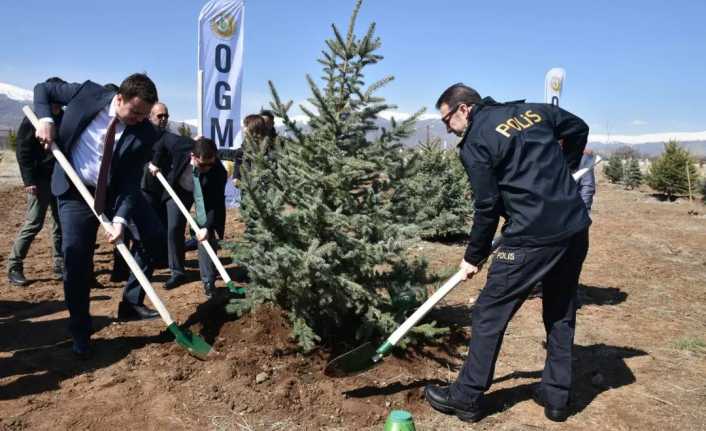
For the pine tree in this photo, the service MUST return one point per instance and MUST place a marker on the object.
(438, 195)
(322, 240)
(633, 177)
(184, 130)
(668, 174)
(614, 169)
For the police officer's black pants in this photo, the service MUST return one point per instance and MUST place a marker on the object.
(513, 273)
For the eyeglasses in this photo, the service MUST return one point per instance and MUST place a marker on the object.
(162, 116)
(446, 118)
(203, 164)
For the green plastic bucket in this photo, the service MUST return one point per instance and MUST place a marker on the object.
(399, 420)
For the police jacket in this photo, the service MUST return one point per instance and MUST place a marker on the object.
(518, 170)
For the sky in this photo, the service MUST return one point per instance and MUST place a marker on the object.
(632, 67)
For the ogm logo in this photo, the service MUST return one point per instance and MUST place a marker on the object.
(556, 84)
(223, 25)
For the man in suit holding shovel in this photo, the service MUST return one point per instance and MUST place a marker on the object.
(107, 140)
(198, 178)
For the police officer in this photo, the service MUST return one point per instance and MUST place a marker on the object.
(518, 170)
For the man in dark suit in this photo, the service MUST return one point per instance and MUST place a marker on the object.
(36, 166)
(107, 139)
(198, 177)
(151, 188)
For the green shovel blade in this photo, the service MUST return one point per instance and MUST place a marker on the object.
(356, 361)
(235, 290)
(194, 344)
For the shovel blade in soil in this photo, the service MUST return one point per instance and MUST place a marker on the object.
(356, 361)
(194, 344)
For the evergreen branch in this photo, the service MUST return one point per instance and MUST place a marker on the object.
(351, 23)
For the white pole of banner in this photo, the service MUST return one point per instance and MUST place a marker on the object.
(199, 102)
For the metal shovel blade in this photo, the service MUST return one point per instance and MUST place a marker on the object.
(194, 344)
(353, 362)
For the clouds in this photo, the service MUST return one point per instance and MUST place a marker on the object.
(638, 123)
(401, 116)
(648, 138)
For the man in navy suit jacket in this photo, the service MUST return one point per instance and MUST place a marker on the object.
(181, 160)
(90, 110)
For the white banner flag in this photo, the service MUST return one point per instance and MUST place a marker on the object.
(221, 71)
(553, 84)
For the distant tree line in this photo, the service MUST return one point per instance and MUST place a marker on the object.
(672, 174)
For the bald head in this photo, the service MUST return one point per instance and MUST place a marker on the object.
(159, 115)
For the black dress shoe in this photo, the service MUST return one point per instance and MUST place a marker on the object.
(556, 414)
(175, 281)
(440, 399)
(81, 349)
(16, 277)
(209, 288)
(127, 311)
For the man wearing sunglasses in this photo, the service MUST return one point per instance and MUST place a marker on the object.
(197, 176)
(518, 170)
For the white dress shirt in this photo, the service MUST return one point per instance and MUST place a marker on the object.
(87, 154)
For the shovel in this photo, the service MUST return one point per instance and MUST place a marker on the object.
(194, 344)
(367, 356)
(232, 288)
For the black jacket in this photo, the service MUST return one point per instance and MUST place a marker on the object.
(515, 164)
(167, 141)
(213, 183)
(35, 163)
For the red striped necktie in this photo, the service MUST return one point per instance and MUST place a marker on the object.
(102, 185)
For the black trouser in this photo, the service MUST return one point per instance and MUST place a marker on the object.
(513, 273)
(160, 208)
(80, 226)
(176, 224)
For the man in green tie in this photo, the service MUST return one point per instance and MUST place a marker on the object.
(197, 176)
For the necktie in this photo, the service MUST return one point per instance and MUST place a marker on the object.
(102, 184)
(198, 199)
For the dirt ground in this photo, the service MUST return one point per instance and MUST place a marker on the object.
(640, 357)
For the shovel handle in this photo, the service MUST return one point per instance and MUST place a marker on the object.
(424, 308)
(105, 223)
(211, 253)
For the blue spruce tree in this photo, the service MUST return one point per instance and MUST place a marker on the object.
(322, 237)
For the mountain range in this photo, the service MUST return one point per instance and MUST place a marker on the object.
(13, 98)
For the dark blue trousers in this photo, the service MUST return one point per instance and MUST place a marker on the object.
(513, 273)
(80, 227)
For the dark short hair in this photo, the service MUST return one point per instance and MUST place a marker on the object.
(56, 80)
(255, 125)
(456, 94)
(139, 85)
(267, 113)
(112, 87)
(205, 148)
